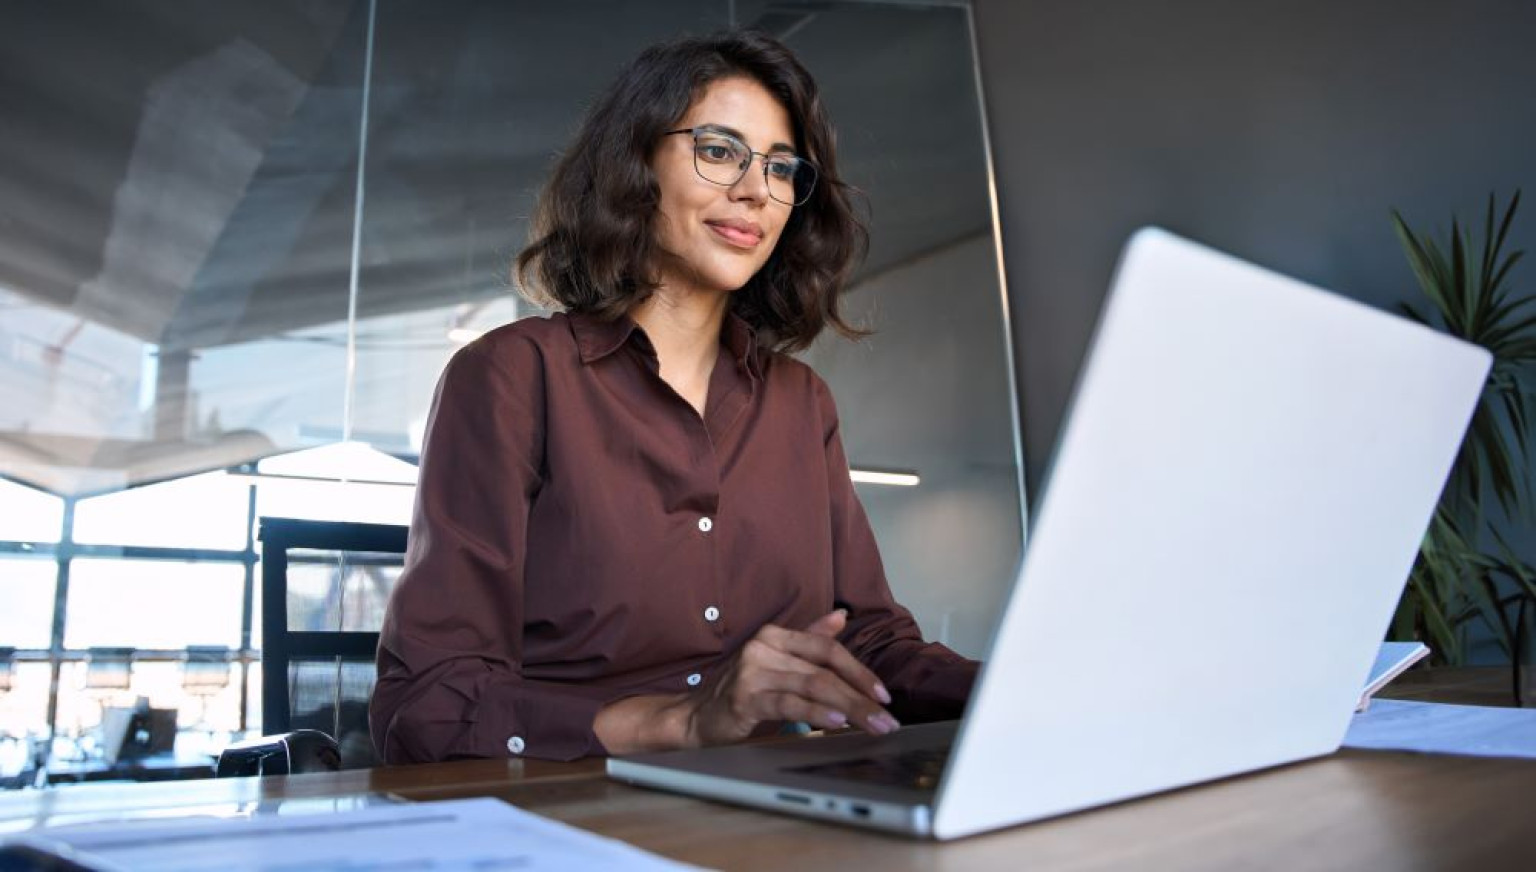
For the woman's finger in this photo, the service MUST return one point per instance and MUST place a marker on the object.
(830, 654)
(789, 707)
(761, 696)
(829, 624)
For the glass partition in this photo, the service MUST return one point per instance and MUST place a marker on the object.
(210, 262)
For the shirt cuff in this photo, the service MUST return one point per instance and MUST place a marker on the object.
(539, 719)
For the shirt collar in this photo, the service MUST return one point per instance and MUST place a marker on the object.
(598, 337)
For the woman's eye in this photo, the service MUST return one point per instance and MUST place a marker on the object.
(781, 170)
(716, 153)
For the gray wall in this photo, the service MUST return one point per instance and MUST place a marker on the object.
(928, 392)
(1280, 132)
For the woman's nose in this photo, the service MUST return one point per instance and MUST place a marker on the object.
(753, 184)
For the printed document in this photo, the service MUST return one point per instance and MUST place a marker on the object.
(480, 834)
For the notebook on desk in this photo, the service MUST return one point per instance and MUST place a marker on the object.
(1235, 502)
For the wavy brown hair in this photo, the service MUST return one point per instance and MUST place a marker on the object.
(592, 244)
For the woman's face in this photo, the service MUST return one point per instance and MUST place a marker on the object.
(713, 237)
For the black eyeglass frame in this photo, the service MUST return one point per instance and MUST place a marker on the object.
(746, 165)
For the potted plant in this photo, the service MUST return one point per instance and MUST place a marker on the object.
(1467, 572)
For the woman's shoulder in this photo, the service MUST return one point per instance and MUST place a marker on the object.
(785, 375)
(536, 336)
(511, 352)
(535, 330)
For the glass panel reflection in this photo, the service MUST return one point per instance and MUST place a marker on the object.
(930, 391)
(195, 196)
(481, 96)
(175, 256)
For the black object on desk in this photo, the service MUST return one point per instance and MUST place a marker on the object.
(292, 753)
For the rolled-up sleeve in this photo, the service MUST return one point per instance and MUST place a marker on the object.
(450, 655)
(927, 680)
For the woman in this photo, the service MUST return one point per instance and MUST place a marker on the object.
(634, 528)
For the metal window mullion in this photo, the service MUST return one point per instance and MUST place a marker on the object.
(247, 607)
(62, 554)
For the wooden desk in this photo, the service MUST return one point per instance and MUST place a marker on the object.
(1353, 810)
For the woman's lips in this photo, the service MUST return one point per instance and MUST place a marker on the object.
(737, 235)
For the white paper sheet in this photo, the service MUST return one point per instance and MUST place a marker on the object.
(1437, 728)
(480, 834)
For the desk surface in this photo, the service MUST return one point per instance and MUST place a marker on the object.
(1352, 810)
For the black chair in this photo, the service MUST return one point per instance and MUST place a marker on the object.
(324, 588)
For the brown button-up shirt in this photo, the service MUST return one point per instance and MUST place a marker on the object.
(582, 534)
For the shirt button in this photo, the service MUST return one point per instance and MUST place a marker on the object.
(705, 525)
(515, 744)
(711, 614)
(694, 679)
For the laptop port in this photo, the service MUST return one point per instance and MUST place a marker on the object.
(795, 798)
(861, 811)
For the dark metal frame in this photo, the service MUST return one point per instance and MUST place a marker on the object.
(279, 645)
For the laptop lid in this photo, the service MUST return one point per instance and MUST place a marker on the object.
(1234, 506)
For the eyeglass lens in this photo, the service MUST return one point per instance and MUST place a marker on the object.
(724, 160)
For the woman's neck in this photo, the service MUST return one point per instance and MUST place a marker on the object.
(684, 328)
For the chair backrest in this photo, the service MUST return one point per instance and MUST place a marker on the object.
(324, 588)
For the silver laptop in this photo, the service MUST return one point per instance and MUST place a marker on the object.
(1236, 500)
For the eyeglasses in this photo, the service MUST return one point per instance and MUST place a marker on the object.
(724, 160)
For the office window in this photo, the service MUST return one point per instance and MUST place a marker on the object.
(24, 708)
(156, 604)
(207, 701)
(200, 511)
(83, 697)
(29, 515)
(26, 589)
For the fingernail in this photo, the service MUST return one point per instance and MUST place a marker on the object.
(882, 723)
(882, 694)
(837, 719)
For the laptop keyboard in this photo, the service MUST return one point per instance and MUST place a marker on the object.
(919, 768)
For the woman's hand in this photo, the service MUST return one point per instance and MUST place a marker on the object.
(778, 675)
(788, 675)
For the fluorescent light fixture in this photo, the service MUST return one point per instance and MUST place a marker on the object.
(898, 477)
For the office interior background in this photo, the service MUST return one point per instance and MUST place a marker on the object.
(219, 281)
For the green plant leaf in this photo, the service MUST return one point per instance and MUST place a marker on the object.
(1485, 593)
(1445, 639)
(1515, 568)
(1503, 273)
(1455, 583)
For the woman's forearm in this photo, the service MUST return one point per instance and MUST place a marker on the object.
(658, 722)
